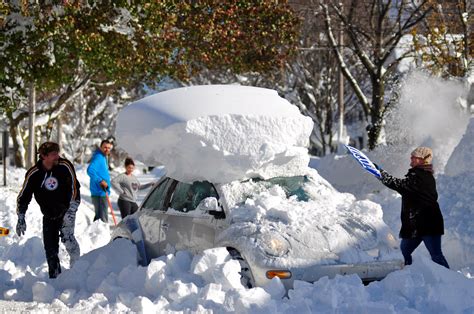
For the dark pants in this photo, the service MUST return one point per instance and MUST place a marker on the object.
(126, 207)
(51, 228)
(100, 206)
(432, 243)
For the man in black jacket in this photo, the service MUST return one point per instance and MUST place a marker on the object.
(55, 186)
(421, 216)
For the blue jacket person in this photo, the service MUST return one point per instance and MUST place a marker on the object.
(98, 171)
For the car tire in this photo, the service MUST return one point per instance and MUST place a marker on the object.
(246, 277)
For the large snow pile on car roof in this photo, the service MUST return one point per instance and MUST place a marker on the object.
(218, 133)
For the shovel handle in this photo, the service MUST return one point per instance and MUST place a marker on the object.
(111, 208)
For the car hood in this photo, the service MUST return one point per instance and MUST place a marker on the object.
(328, 228)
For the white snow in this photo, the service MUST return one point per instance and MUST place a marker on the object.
(462, 158)
(429, 113)
(344, 229)
(106, 278)
(217, 133)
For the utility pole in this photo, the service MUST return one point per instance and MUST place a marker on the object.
(31, 127)
(340, 148)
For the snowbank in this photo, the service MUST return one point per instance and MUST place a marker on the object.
(456, 198)
(218, 133)
(106, 279)
(462, 158)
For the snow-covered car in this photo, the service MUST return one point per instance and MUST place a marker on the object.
(237, 177)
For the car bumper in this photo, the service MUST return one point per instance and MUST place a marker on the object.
(366, 271)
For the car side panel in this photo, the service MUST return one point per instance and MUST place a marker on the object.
(184, 232)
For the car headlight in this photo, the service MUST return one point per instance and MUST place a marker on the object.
(274, 244)
(391, 240)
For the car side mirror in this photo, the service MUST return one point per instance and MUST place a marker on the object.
(209, 204)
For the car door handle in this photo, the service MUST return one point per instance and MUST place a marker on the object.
(165, 226)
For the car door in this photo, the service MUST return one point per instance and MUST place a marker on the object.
(185, 227)
(151, 215)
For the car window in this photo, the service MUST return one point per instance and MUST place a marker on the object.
(293, 186)
(157, 198)
(186, 197)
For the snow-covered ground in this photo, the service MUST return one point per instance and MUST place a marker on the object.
(106, 279)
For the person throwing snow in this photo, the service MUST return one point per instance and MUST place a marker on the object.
(421, 216)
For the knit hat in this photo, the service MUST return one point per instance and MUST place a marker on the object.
(423, 152)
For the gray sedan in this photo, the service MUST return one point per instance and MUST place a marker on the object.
(286, 227)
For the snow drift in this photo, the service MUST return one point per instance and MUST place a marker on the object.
(462, 158)
(456, 201)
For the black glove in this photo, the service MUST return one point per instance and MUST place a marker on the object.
(21, 225)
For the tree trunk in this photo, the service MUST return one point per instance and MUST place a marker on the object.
(17, 147)
(377, 112)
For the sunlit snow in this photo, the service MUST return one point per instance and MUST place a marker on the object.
(106, 278)
(217, 133)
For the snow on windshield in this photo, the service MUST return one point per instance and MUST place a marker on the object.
(309, 211)
(218, 133)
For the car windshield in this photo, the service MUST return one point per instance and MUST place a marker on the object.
(293, 186)
(238, 192)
